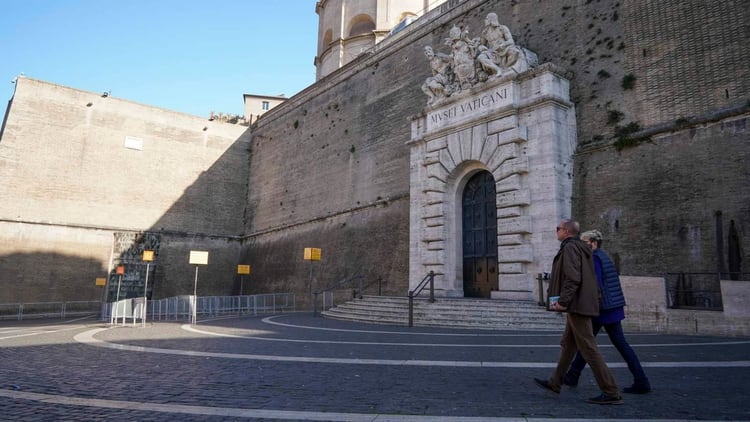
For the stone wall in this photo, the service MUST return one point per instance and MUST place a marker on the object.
(50, 263)
(647, 310)
(370, 241)
(329, 168)
(339, 145)
(78, 166)
(656, 204)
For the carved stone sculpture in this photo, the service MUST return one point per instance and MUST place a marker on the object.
(498, 51)
(472, 61)
(463, 51)
(440, 83)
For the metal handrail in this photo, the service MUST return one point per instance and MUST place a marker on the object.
(336, 286)
(429, 279)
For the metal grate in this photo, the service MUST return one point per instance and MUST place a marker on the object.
(700, 291)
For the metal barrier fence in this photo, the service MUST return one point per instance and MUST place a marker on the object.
(62, 310)
(180, 308)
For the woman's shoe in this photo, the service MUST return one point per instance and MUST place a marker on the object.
(637, 389)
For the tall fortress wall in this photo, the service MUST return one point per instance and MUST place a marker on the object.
(329, 167)
(661, 105)
(83, 172)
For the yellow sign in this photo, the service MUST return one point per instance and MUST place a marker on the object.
(148, 255)
(199, 257)
(243, 269)
(312, 254)
(101, 281)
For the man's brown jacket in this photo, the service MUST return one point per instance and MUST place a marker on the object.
(574, 278)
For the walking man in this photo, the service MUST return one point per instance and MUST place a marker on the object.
(574, 283)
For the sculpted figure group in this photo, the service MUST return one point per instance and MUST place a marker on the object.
(472, 60)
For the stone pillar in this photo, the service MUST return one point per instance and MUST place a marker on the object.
(521, 128)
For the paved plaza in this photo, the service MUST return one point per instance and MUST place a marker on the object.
(299, 367)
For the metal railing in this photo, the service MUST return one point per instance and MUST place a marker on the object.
(180, 308)
(698, 291)
(429, 279)
(328, 292)
(62, 310)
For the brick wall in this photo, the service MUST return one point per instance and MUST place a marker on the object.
(69, 183)
(656, 203)
(340, 144)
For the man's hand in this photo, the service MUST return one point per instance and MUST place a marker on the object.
(559, 308)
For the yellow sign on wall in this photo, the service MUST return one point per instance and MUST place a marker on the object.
(101, 281)
(312, 254)
(243, 269)
(148, 255)
(199, 257)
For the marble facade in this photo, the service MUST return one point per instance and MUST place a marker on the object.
(521, 128)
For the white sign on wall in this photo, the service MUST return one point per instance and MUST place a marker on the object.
(132, 142)
(198, 257)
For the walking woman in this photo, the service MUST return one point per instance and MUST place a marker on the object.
(611, 312)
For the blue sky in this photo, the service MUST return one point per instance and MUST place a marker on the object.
(185, 55)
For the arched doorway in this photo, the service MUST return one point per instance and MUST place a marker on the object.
(479, 235)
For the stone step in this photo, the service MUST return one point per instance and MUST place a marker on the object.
(449, 312)
(444, 311)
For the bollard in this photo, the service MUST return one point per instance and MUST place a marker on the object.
(432, 287)
(411, 309)
(539, 279)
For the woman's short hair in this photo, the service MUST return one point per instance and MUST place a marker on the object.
(594, 235)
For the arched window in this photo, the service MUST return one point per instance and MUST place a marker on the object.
(361, 24)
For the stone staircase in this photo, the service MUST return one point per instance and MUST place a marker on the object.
(449, 312)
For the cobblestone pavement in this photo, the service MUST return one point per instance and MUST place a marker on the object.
(299, 367)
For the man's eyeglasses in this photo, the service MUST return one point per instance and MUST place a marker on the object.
(560, 228)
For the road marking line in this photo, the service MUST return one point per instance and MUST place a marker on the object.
(188, 327)
(235, 412)
(270, 320)
(35, 331)
(88, 337)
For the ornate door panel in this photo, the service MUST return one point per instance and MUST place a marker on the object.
(480, 236)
